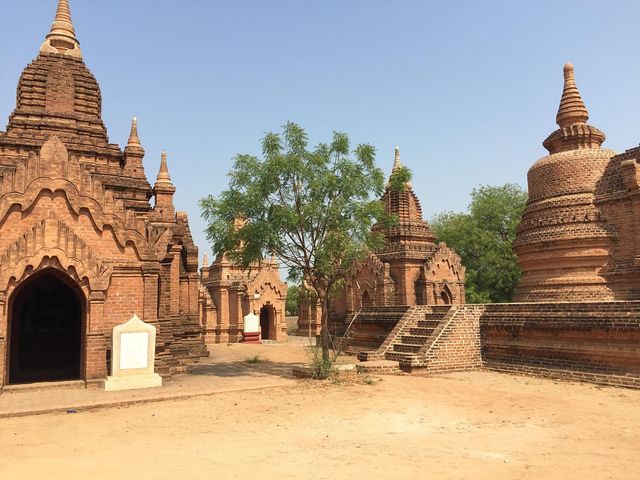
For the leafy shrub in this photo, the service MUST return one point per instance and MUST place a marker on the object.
(321, 368)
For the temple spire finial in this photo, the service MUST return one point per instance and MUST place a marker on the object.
(163, 191)
(163, 175)
(397, 163)
(572, 109)
(134, 139)
(62, 36)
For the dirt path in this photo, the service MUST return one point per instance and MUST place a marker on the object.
(480, 426)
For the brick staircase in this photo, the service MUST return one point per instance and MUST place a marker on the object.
(409, 335)
(416, 333)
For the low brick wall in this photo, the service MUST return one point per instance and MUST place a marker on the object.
(292, 325)
(597, 342)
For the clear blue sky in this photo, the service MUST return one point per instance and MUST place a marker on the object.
(467, 89)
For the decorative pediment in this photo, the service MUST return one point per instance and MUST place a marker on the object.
(374, 264)
(52, 238)
(445, 258)
(159, 238)
(268, 280)
(125, 225)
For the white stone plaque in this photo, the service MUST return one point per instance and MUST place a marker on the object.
(133, 357)
(134, 350)
(251, 323)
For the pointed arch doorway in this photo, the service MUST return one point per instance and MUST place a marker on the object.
(46, 315)
(267, 328)
(367, 301)
(445, 296)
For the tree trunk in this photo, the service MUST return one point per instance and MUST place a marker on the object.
(324, 328)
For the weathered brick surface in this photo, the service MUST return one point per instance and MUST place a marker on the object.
(373, 329)
(75, 204)
(597, 342)
(453, 346)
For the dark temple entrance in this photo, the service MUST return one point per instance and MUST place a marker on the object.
(46, 331)
(265, 323)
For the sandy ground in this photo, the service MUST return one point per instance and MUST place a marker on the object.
(460, 426)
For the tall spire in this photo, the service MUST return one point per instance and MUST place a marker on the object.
(572, 109)
(397, 163)
(62, 36)
(163, 191)
(163, 175)
(574, 132)
(134, 139)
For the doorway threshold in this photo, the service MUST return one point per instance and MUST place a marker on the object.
(28, 387)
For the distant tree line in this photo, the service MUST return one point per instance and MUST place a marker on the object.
(483, 237)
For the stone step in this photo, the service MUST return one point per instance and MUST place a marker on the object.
(414, 339)
(428, 323)
(401, 347)
(443, 309)
(68, 384)
(401, 356)
(389, 367)
(384, 320)
(369, 355)
(421, 331)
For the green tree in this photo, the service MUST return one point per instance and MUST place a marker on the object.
(293, 300)
(312, 208)
(483, 238)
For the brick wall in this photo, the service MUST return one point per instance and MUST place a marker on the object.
(454, 346)
(374, 328)
(595, 342)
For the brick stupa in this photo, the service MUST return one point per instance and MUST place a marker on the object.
(563, 242)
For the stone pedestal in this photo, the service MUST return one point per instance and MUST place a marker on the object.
(133, 357)
(251, 332)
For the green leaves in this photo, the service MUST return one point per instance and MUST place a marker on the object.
(483, 239)
(399, 179)
(312, 208)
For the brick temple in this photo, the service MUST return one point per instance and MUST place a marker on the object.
(82, 245)
(229, 293)
(410, 269)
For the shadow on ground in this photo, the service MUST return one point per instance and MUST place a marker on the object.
(243, 369)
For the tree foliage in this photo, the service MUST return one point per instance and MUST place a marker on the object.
(483, 238)
(292, 305)
(312, 208)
